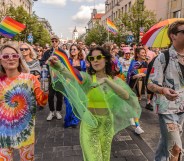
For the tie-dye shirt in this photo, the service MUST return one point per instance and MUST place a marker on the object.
(173, 79)
(18, 99)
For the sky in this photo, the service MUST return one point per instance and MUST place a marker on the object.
(64, 15)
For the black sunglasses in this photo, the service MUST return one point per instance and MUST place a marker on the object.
(54, 41)
(98, 57)
(22, 49)
(182, 31)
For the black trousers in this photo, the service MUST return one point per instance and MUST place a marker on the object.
(59, 101)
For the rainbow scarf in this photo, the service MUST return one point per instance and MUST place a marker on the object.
(9, 27)
(111, 27)
(64, 59)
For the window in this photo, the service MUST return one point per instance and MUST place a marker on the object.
(129, 6)
(126, 8)
(122, 10)
(177, 14)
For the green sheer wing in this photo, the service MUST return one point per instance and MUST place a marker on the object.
(122, 110)
(76, 96)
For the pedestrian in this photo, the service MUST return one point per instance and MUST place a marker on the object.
(136, 80)
(168, 100)
(53, 112)
(65, 48)
(20, 93)
(77, 61)
(109, 100)
(39, 54)
(30, 58)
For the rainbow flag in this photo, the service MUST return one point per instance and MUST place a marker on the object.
(111, 27)
(64, 59)
(9, 27)
(141, 70)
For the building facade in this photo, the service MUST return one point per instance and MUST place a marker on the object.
(95, 18)
(176, 9)
(114, 8)
(26, 4)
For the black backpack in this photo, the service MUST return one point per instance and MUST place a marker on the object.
(150, 65)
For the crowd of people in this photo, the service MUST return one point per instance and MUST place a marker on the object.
(114, 82)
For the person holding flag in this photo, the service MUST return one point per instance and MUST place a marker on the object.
(103, 102)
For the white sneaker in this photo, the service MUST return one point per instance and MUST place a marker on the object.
(58, 115)
(138, 130)
(132, 122)
(50, 116)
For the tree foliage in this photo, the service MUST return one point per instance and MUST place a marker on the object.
(138, 16)
(33, 26)
(97, 34)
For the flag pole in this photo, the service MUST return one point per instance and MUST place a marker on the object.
(108, 35)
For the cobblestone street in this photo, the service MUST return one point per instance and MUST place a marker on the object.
(54, 143)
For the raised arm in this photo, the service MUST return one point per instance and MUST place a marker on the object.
(117, 88)
(55, 63)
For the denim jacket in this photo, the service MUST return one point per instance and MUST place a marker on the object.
(82, 64)
(172, 78)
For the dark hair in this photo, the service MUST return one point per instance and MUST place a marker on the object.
(107, 46)
(66, 46)
(133, 44)
(80, 54)
(173, 28)
(137, 51)
(108, 65)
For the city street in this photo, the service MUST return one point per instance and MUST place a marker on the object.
(54, 143)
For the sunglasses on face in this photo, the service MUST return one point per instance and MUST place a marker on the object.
(10, 56)
(180, 31)
(54, 41)
(39, 50)
(24, 49)
(73, 49)
(98, 57)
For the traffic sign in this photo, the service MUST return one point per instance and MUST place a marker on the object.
(129, 39)
(30, 38)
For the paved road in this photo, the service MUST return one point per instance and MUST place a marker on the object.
(54, 143)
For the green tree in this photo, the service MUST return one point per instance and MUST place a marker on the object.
(33, 26)
(138, 16)
(98, 34)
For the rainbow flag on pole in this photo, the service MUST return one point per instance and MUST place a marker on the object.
(9, 27)
(64, 59)
(111, 27)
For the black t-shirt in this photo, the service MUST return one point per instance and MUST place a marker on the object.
(182, 69)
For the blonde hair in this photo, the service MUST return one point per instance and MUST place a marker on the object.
(22, 67)
(33, 54)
